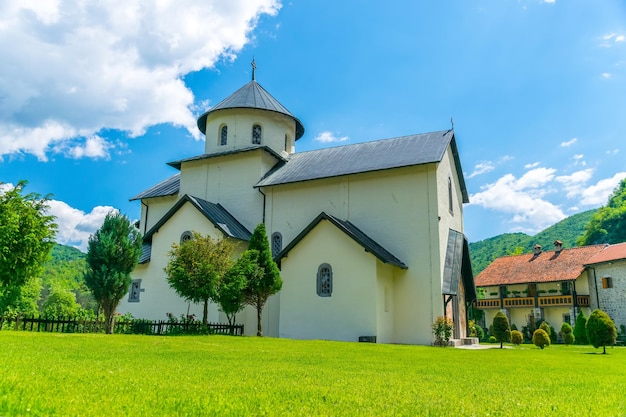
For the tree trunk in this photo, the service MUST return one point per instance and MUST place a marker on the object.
(109, 319)
(205, 312)
(259, 311)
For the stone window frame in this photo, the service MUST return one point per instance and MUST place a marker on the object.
(277, 243)
(257, 134)
(185, 236)
(607, 282)
(223, 137)
(134, 291)
(325, 280)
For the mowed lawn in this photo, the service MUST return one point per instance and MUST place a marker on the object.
(44, 374)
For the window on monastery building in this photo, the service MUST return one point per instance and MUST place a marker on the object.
(607, 282)
(256, 134)
(223, 135)
(324, 280)
(286, 142)
(450, 205)
(135, 290)
(277, 243)
(186, 236)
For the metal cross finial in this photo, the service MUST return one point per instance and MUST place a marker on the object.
(253, 63)
(452, 122)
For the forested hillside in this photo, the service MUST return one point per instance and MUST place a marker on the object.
(567, 231)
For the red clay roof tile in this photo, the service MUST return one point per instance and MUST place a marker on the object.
(546, 267)
(610, 253)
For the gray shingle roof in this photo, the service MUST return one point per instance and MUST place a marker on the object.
(166, 187)
(458, 266)
(177, 164)
(252, 96)
(216, 213)
(365, 157)
(369, 244)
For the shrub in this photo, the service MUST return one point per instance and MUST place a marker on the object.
(442, 330)
(580, 329)
(516, 337)
(541, 338)
(601, 330)
(476, 330)
(545, 327)
(501, 329)
(566, 333)
(492, 339)
(513, 327)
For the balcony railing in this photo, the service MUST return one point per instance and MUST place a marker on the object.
(550, 301)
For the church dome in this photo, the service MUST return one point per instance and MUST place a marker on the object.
(251, 96)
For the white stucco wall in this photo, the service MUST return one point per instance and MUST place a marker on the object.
(240, 121)
(351, 310)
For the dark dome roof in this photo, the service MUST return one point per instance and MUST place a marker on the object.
(251, 96)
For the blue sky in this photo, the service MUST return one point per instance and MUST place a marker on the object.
(96, 98)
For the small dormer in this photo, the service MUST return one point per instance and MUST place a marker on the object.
(250, 117)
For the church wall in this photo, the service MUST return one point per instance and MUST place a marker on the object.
(350, 311)
(229, 181)
(398, 209)
(158, 297)
(274, 127)
(385, 302)
(153, 209)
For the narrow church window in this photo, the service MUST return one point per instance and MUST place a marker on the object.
(277, 243)
(135, 290)
(450, 205)
(256, 134)
(286, 143)
(186, 236)
(223, 135)
(324, 280)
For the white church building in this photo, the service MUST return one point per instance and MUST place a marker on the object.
(368, 236)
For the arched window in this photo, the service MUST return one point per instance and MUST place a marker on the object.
(256, 134)
(186, 236)
(223, 135)
(450, 205)
(277, 243)
(324, 280)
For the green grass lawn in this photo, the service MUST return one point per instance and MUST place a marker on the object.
(45, 374)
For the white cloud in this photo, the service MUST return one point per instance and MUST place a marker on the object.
(606, 75)
(574, 183)
(549, 1)
(81, 67)
(482, 168)
(532, 165)
(569, 142)
(598, 194)
(521, 199)
(75, 226)
(329, 137)
(612, 151)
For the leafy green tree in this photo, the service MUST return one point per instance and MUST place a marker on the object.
(261, 273)
(60, 303)
(501, 329)
(608, 224)
(196, 268)
(26, 239)
(601, 330)
(112, 254)
(566, 333)
(230, 293)
(580, 329)
(541, 338)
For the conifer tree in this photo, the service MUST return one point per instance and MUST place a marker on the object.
(580, 329)
(501, 329)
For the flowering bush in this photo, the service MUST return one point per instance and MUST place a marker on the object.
(442, 330)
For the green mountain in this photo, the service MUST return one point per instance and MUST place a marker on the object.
(65, 268)
(567, 231)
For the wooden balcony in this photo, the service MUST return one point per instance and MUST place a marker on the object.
(550, 301)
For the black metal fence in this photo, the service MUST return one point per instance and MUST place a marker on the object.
(122, 326)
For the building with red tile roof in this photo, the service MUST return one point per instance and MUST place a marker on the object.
(554, 285)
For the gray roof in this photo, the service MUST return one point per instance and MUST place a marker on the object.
(166, 187)
(177, 164)
(216, 213)
(369, 244)
(366, 157)
(251, 96)
(458, 266)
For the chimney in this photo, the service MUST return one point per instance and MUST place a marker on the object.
(537, 250)
(558, 246)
